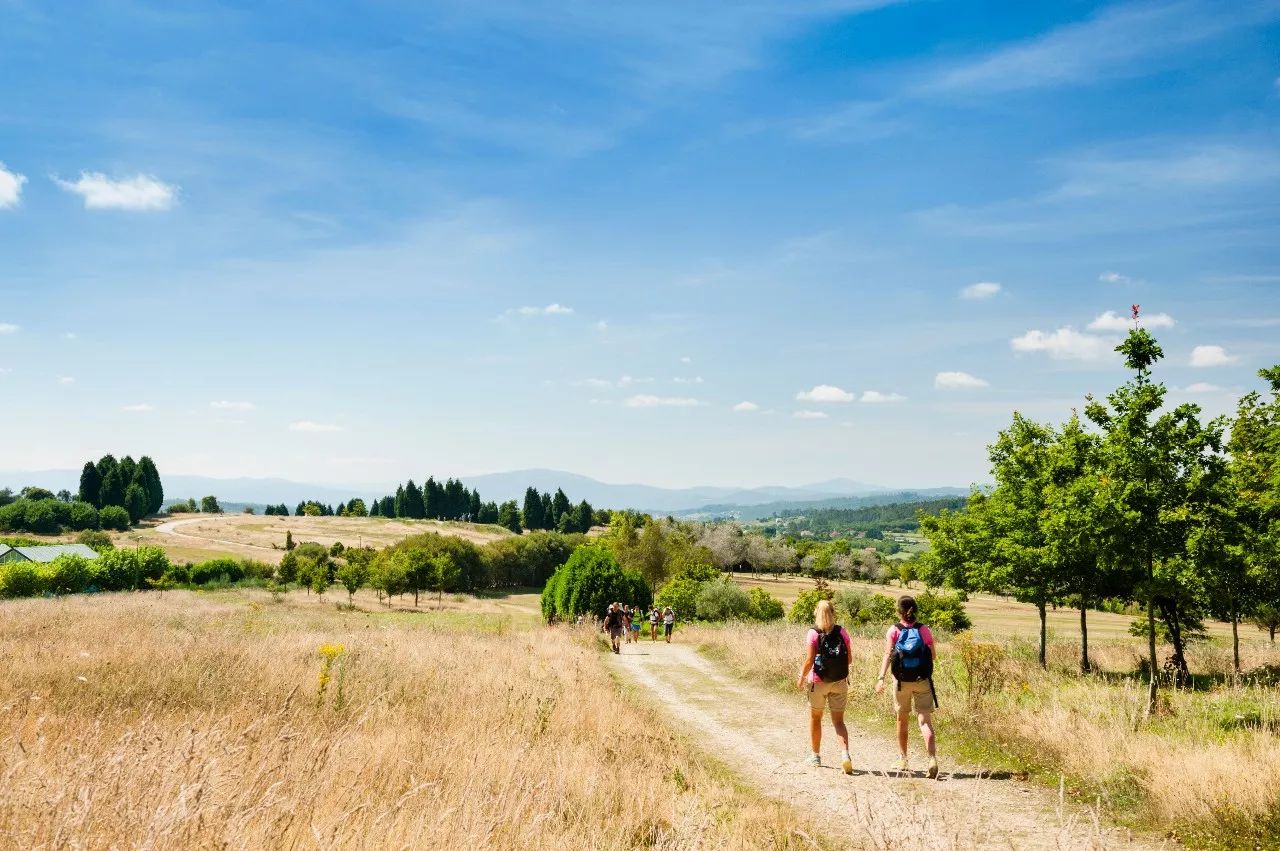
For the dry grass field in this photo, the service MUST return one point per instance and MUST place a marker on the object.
(183, 720)
(1203, 769)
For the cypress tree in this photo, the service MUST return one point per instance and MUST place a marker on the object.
(151, 480)
(400, 501)
(90, 485)
(473, 506)
(548, 512)
(112, 490)
(532, 509)
(412, 503)
(560, 506)
(431, 499)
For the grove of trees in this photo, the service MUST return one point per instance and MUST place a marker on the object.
(1140, 503)
(113, 494)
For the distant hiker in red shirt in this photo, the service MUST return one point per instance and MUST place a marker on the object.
(909, 651)
(825, 675)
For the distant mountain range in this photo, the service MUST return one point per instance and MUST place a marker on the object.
(510, 485)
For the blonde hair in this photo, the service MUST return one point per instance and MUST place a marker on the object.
(824, 616)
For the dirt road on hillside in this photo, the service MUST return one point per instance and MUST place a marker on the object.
(763, 737)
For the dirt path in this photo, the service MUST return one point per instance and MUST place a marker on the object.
(171, 528)
(763, 736)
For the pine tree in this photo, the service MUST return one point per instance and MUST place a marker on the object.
(532, 509)
(135, 499)
(151, 480)
(90, 485)
(560, 506)
(473, 506)
(548, 514)
(112, 490)
(400, 502)
(509, 515)
(411, 503)
(375, 508)
(431, 499)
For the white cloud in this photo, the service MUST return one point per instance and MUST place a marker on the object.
(1114, 278)
(597, 383)
(549, 310)
(694, 380)
(8, 328)
(875, 397)
(1207, 356)
(1112, 321)
(10, 187)
(4, 370)
(1203, 387)
(66, 379)
(810, 415)
(646, 401)
(958, 381)
(140, 192)
(825, 393)
(686, 359)
(1064, 344)
(140, 408)
(69, 335)
(602, 325)
(746, 407)
(313, 427)
(224, 405)
(980, 290)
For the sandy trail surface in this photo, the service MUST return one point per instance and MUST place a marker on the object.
(763, 737)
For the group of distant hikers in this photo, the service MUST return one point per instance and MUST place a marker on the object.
(908, 654)
(623, 624)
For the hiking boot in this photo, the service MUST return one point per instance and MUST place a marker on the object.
(815, 760)
(902, 767)
(847, 764)
(933, 768)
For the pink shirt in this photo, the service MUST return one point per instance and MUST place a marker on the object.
(894, 631)
(813, 647)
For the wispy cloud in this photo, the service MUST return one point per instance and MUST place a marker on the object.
(8, 328)
(697, 379)
(66, 380)
(810, 415)
(549, 310)
(140, 408)
(1211, 356)
(100, 192)
(875, 397)
(313, 427)
(1112, 321)
(980, 290)
(1066, 343)
(825, 393)
(746, 407)
(647, 401)
(1114, 278)
(10, 187)
(1203, 387)
(956, 380)
(226, 405)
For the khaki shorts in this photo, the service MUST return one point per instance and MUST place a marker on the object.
(919, 694)
(834, 695)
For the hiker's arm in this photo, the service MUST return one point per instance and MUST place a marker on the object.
(884, 665)
(807, 667)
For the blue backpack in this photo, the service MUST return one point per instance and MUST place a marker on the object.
(912, 660)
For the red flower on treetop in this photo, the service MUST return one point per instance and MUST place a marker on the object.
(1135, 312)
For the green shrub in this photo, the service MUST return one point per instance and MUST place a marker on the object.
(723, 600)
(82, 515)
(765, 606)
(95, 540)
(681, 595)
(942, 611)
(858, 608)
(215, 570)
(22, 579)
(802, 608)
(118, 570)
(114, 517)
(70, 574)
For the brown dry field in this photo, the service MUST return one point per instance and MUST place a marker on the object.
(197, 537)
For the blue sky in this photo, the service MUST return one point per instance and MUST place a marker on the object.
(679, 243)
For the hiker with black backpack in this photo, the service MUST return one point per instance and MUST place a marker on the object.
(825, 676)
(909, 653)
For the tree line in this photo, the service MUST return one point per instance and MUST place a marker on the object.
(113, 494)
(1136, 501)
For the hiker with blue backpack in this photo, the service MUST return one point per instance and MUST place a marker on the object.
(825, 675)
(909, 653)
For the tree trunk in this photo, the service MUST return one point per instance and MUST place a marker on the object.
(1153, 684)
(1044, 634)
(415, 596)
(1084, 637)
(1173, 619)
(1235, 633)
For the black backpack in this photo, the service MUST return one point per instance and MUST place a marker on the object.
(831, 660)
(912, 660)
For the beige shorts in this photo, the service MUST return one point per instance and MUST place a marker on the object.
(913, 697)
(833, 695)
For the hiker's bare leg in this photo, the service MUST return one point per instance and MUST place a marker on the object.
(815, 729)
(926, 730)
(904, 721)
(842, 732)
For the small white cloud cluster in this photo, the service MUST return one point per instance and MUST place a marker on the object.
(828, 394)
(226, 405)
(1114, 278)
(981, 290)
(11, 184)
(549, 310)
(746, 407)
(647, 401)
(1066, 343)
(955, 380)
(1112, 321)
(8, 328)
(141, 192)
(1211, 356)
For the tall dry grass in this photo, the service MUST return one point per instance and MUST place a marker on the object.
(180, 721)
(1204, 768)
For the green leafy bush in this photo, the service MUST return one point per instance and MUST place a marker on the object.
(70, 574)
(765, 606)
(588, 582)
(681, 595)
(802, 608)
(858, 608)
(21, 579)
(215, 570)
(942, 611)
(723, 600)
(114, 517)
(95, 540)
